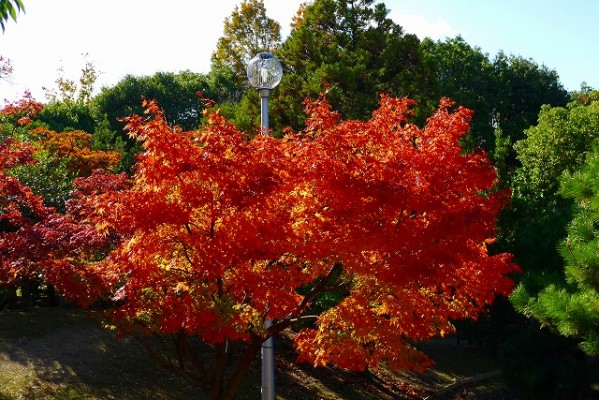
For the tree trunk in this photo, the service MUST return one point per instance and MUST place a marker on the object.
(52, 296)
(229, 391)
(218, 370)
(27, 295)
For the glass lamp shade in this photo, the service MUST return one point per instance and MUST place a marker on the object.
(264, 71)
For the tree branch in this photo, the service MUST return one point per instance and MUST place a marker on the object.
(303, 318)
(320, 287)
(242, 367)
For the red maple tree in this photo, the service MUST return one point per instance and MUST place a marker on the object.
(39, 244)
(20, 210)
(35, 240)
(216, 233)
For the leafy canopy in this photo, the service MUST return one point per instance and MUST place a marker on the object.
(536, 220)
(217, 233)
(571, 306)
(560, 166)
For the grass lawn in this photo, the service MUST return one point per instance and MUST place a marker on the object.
(60, 354)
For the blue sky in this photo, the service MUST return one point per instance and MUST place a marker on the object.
(142, 37)
(563, 35)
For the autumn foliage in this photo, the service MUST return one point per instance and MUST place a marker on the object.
(216, 232)
(35, 240)
(37, 243)
(21, 211)
(77, 146)
(23, 109)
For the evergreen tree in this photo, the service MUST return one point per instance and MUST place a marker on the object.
(505, 93)
(351, 49)
(536, 220)
(521, 87)
(572, 306)
(464, 74)
(532, 229)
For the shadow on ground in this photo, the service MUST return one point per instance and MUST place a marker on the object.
(59, 353)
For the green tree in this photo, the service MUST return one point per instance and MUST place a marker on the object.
(9, 9)
(521, 87)
(559, 159)
(67, 115)
(465, 74)
(559, 142)
(353, 50)
(181, 95)
(247, 32)
(177, 94)
(49, 177)
(569, 304)
(572, 306)
(535, 222)
(68, 104)
(506, 94)
(532, 229)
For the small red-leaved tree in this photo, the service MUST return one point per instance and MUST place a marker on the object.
(218, 233)
(36, 242)
(20, 211)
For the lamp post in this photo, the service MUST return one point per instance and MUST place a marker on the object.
(264, 72)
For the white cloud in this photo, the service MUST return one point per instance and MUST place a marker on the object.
(422, 27)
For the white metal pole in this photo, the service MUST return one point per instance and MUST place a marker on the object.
(268, 364)
(264, 109)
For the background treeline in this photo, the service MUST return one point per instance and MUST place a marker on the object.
(542, 138)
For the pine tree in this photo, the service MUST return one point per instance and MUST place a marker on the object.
(355, 51)
(572, 307)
